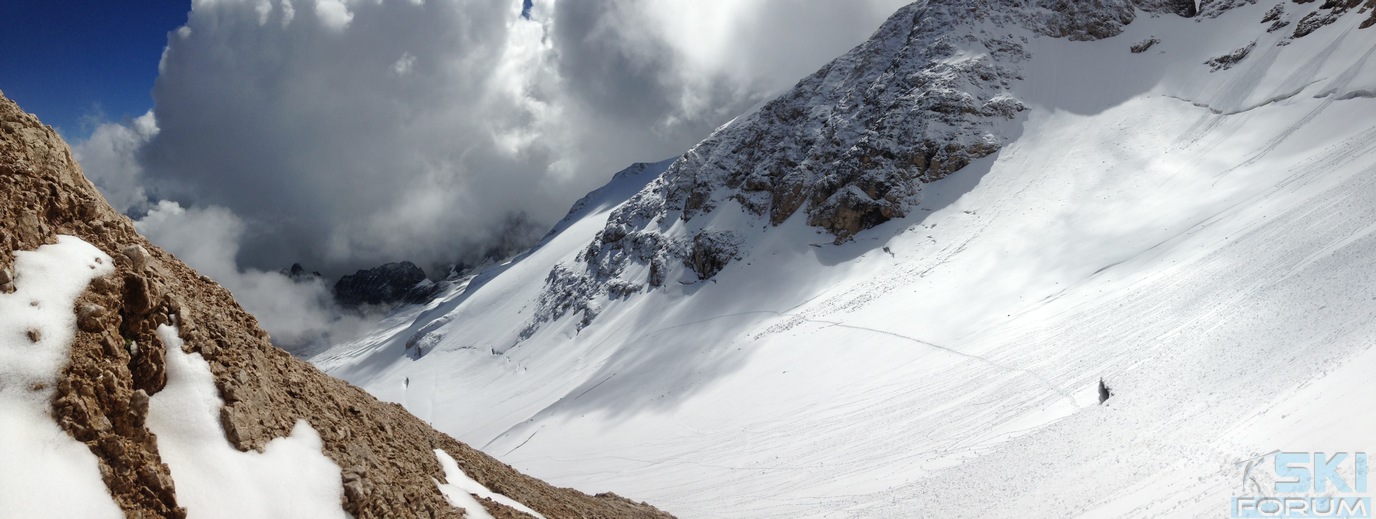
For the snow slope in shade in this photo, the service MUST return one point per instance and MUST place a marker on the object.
(291, 478)
(43, 471)
(1202, 240)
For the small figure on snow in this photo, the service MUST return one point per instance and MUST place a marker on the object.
(1104, 391)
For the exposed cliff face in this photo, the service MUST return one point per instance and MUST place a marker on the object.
(848, 148)
(386, 455)
(384, 285)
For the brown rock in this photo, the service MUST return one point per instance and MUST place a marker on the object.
(140, 294)
(138, 404)
(104, 284)
(137, 255)
(90, 318)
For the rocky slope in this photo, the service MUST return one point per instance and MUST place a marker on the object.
(849, 148)
(386, 455)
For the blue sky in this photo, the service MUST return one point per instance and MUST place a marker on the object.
(69, 60)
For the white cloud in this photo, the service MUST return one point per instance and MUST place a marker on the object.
(416, 130)
(108, 158)
(403, 65)
(296, 314)
(333, 14)
(290, 142)
(207, 239)
(264, 9)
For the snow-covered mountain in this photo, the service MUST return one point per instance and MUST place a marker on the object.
(894, 290)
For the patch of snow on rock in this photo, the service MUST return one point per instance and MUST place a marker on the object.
(290, 478)
(464, 492)
(43, 471)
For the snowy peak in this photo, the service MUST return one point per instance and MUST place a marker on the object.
(848, 148)
(929, 92)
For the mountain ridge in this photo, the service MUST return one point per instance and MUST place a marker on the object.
(850, 146)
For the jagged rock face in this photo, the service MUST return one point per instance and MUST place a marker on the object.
(849, 147)
(1214, 8)
(852, 144)
(1305, 19)
(711, 251)
(1184, 8)
(1330, 11)
(388, 284)
(1084, 20)
(117, 361)
(299, 274)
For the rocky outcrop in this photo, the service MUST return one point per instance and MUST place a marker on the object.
(117, 362)
(299, 274)
(1331, 11)
(400, 282)
(1215, 8)
(1084, 20)
(1227, 61)
(1184, 8)
(711, 251)
(1309, 15)
(851, 145)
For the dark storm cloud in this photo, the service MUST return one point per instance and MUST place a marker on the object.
(628, 80)
(315, 132)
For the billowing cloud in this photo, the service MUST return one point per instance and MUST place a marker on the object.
(298, 314)
(333, 14)
(108, 158)
(346, 133)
